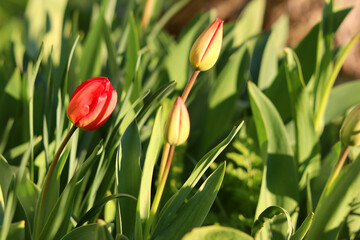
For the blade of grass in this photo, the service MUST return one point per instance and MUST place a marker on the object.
(279, 164)
(152, 153)
(177, 200)
(195, 210)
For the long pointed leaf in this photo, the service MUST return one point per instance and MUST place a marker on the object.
(270, 213)
(144, 199)
(195, 210)
(179, 197)
(216, 233)
(128, 175)
(99, 206)
(307, 149)
(279, 184)
(303, 229)
(336, 205)
(324, 97)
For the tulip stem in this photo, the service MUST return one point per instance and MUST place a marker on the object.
(50, 173)
(147, 13)
(189, 85)
(166, 159)
(335, 173)
(340, 163)
(160, 189)
(163, 160)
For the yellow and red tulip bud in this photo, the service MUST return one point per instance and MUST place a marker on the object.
(350, 129)
(92, 103)
(177, 128)
(206, 49)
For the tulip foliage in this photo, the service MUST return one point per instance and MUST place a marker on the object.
(114, 129)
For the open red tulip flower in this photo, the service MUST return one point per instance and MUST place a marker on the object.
(92, 103)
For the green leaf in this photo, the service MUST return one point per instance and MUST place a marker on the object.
(31, 77)
(10, 207)
(56, 223)
(278, 94)
(92, 231)
(65, 74)
(340, 57)
(342, 97)
(177, 61)
(13, 85)
(128, 175)
(152, 153)
(5, 177)
(90, 61)
(110, 50)
(132, 55)
(167, 15)
(121, 237)
(269, 58)
(105, 173)
(306, 146)
(6, 134)
(279, 184)
(20, 149)
(195, 210)
(223, 97)
(268, 214)
(257, 55)
(98, 206)
(36, 15)
(153, 101)
(28, 194)
(336, 205)
(52, 195)
(353, 219)
(130, 114)
(33, 71)
(216, 233)
(16, 231)
(303, 229)
(250, 22)
(177, 200)
(309, 44)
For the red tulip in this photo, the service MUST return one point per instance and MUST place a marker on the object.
(92, 103)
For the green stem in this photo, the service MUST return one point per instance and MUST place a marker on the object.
(335, 173)
(159, 192)
(49, 176)
(338, 166)
(189, 85)
(147, 13)
(164, 158)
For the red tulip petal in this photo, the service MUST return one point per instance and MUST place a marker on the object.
(94, 112)
(108, 109)
(83, 100)
(96, 80)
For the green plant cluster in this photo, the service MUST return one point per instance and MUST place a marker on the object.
(275, 181)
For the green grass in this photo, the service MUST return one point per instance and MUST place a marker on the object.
(277, 161)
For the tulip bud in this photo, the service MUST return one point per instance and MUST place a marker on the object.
(177, 128)
(92, 103)
(206, 49)
(350, 129)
